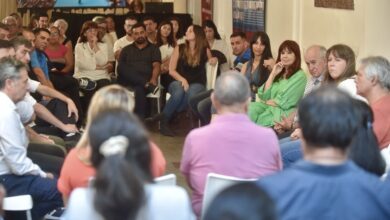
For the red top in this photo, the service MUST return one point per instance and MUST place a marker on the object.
(75, 173)
(381, 125)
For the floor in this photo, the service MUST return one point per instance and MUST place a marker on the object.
(172, 146)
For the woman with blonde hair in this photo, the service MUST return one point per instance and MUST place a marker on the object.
(78, 159)
(124, 186)
(62, 25)
(280, 94)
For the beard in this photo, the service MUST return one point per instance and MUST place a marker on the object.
(140, 40)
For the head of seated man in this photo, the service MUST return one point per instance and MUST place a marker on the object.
(231, 94)
(326, 139)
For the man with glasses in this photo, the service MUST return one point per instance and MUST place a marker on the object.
(127, 39)
(107, 39)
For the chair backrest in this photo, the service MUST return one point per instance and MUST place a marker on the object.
(215, 183)
(211, 72)
(18, 203)
(386, 156)
(169, 180)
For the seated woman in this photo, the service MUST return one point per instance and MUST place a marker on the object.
(341, 72)
(62, 26)
(123, 188)
(177, 32)
(201, 103)
(188, 68)
(91, 60)
(283, 89)
(166, 43)
(109, 97)
(61, 58)
(216, 43)
(258, 68)
(342, 69)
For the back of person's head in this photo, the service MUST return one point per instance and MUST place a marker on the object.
(364, 149)
(108, 97)
(231, 88)
(242, 201)
(377, 67)
(344, 52)
(327, 118)
(121, 154)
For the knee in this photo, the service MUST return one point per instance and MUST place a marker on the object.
(176, 90)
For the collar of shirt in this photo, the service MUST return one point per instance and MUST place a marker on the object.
(135, 46)
(320, 78)
(6, 101)
(231, 117)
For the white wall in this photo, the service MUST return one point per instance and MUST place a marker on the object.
(365, 29)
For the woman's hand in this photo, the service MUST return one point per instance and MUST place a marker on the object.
(277, 69)
(297, 134)
(269, 64)
(94, 44)
(213, 61)
(184, 83)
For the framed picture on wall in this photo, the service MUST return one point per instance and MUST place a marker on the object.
(249, 16)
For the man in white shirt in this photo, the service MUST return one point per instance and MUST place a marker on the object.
(125, 40)
(18, 173)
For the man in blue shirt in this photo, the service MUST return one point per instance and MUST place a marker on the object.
(325, 184)
(240, 49)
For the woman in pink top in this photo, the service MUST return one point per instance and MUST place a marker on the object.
(59, 55)
(77, 169)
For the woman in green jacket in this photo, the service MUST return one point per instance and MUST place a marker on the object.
(283, 89)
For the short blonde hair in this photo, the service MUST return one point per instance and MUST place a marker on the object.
(108, 97)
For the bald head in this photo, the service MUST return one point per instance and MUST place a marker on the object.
(315, 58)
(231, 92)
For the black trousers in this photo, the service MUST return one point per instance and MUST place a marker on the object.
(59, 109)
(70, 87)
(201, 105)
(86, 99)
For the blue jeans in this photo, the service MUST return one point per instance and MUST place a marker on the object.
(179, 98)
(43, 191)
(291, 152)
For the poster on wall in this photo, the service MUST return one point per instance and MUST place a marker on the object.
(249, 16)
(207, 10)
